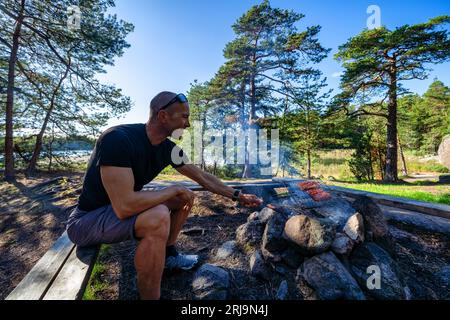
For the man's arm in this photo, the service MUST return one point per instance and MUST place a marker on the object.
(213, 184)
(119, 184)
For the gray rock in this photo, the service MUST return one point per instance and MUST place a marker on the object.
(374, 220)
(312, 236)
(210, 283)
(226, 250)
(444, 151)
(265, 214)
(272, 257)
(408, 294)
(283, 290)
(337, 210)
(249, 233)
(342, 245)
(272, 239)
(375, 223)
(258, 267)
(444, 276)
(253, 216)
(370, 255)
(354, 228)
(302, 286)
(329, 278)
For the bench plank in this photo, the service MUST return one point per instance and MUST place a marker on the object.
(73, 277)
(37, 281)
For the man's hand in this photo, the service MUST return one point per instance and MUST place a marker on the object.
(249, 200)
(184, 193)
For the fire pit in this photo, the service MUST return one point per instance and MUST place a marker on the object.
(335, 249)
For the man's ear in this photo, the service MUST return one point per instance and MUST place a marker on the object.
(162, 116)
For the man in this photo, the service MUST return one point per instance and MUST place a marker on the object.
(113, 208)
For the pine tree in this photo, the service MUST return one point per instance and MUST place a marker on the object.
(377, 61)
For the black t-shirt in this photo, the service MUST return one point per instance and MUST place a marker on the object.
(124, 146)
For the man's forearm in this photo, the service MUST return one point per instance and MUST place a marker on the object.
(142, 200)
(215, 185)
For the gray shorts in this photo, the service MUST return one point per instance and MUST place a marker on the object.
(86, 228)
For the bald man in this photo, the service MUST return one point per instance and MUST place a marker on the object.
(113, 207)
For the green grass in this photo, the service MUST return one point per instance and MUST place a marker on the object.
(334, 163)
(441, 194)
(95, 284)
(331, 163)
(414, 164)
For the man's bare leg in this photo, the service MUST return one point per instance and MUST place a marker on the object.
(152, 227)
(180, 210)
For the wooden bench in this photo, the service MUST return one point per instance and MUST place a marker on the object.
(61, 274)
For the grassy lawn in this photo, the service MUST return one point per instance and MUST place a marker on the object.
(416, 191)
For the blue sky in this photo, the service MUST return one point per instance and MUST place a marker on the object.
(178, 41)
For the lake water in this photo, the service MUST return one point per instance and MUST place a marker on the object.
(68, 154)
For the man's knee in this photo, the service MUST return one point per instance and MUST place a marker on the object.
(177, 203)
(154, 222)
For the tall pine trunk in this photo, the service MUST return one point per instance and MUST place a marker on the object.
(404, 168)
(308, 146)
(251, 124)
(308, 163)
(391, 174)
(50, 149)
(248, 167)
(9, 135)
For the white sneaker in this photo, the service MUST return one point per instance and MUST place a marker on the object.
(181, 261)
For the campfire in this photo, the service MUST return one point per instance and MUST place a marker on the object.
(337, 249)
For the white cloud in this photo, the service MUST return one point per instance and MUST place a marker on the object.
(337, 74)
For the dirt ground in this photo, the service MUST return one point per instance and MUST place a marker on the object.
(33, 215)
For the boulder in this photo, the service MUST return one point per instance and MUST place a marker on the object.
(249, 234)
(375, 223)
(374, 220)
(342, 245)
(337, 210)
(330, 279)
(312, 236)
(444, 276)
(282, 291)
(444, 151)
(303, 288)
(253, 216)
(265, 214)
(226, 250)
(366, 261)
(258, 267)
(269, 256)
(210, 283)
(354, 228)
(272, 239)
